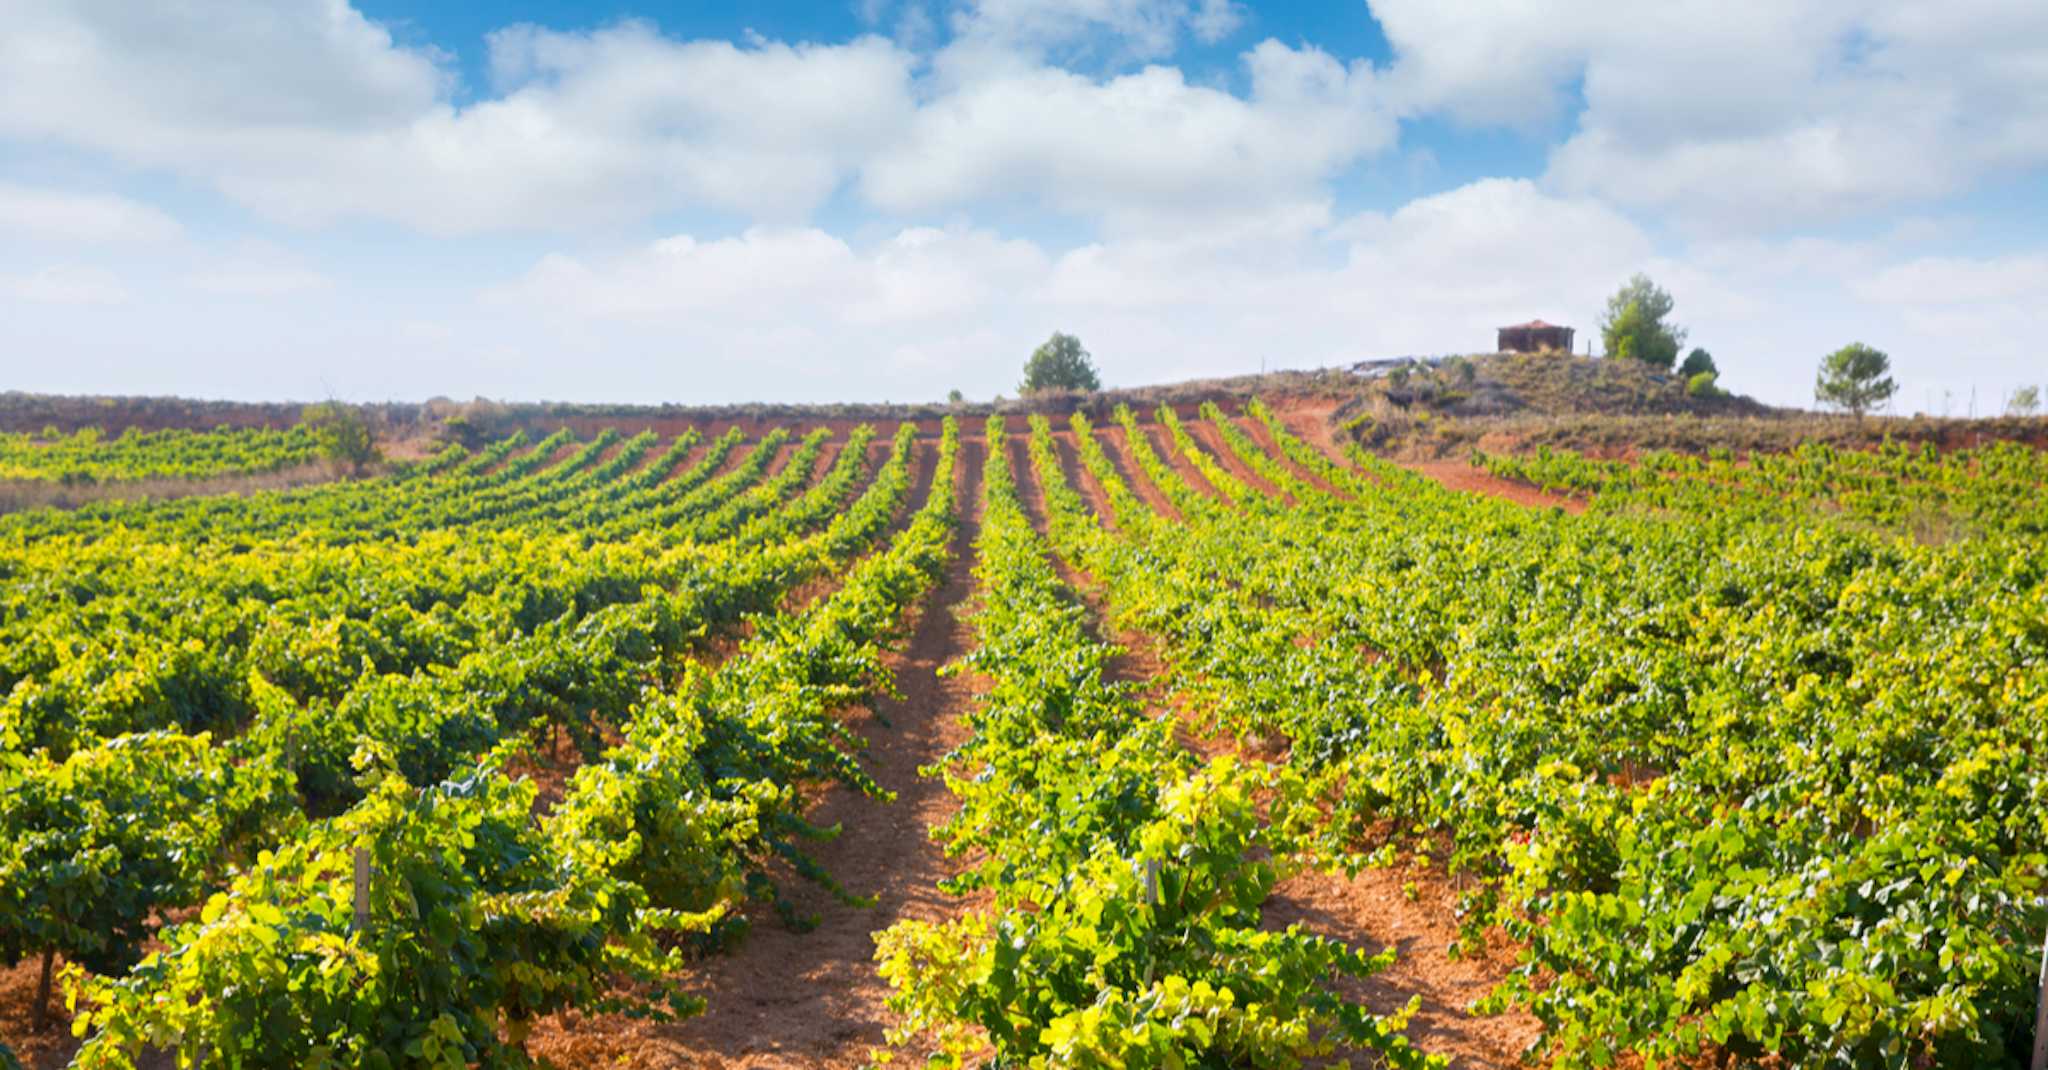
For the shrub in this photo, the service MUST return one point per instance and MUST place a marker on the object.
(343, 432)
(1697, 361)
(1703, 385)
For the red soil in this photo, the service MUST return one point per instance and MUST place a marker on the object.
(1211, 441)
(788, 999)
(53, 1046)
(1372, 910)
(1263, 435)
(1459, 475)
(1162, 444)
(1119, 453)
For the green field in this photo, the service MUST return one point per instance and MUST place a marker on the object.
(1694, 757)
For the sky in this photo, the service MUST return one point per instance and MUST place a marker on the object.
(869, 200)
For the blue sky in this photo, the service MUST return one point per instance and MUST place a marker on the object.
(888, 199)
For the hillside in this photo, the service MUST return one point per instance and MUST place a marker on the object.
(1510, 402)
(1410, 408)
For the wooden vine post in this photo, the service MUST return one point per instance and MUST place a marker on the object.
(40, 1017)
(2041, 1013)
(362, 915)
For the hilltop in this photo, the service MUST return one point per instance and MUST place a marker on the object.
(1406, 407)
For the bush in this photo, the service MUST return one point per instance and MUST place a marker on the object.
(1704, 384)
(1697, 361)
(462, 431)
(343, 432)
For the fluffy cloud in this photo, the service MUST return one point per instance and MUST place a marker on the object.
(64, 216)
(1775, 115)
(801, 314)
(1434, 276)
(1772, 117)
(1948, 280)
(1055, 139)
(311, 114)
(1427, 278)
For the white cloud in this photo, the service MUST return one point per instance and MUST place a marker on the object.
(65, 284)
(796, 298)
(1141, 150)
(64, 216)
(801, 314)
(1950, 280)
(1426, 278)
(1764, 114)
(1205, 198)
(311, 114)
(1434, 276)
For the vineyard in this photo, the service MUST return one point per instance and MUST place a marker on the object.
(1177, 738)
(88, 457)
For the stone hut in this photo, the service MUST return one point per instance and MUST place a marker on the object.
(1535, 336)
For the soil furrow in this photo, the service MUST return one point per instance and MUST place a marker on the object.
(1210, 440)
(782, 998)
(1118, 451)
(1409, 909)
(1263, 437)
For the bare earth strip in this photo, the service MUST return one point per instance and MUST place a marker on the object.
(1409, 909)
(1211, 441)
(1460, 475)
(788, 999)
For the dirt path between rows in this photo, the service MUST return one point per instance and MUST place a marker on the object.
(1263, 436)
(1210, 440)
(1460, 475)
(1313, 425)
(784, 999)
(1163, 445)
(1408, 908)
(1139, 664)
(1118, 450)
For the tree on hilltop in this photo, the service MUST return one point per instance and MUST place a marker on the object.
(1060, 364)
(1635, 328)
(1855, 377)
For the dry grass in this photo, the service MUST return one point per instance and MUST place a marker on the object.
(1625, 435)
(1610, 408)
